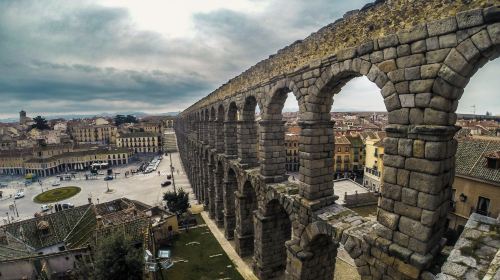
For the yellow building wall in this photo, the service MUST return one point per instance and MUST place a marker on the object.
(473, 190)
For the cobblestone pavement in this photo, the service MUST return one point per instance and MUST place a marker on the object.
(143, 187)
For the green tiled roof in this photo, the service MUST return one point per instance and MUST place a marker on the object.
(83, 231)
(14, 249)
(470, 160)
(60, 225)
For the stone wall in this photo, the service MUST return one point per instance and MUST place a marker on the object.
(476, 253)
(374, 20)
(421, 72)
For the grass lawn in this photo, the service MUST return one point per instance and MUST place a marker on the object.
(199, 265)
(57, 194)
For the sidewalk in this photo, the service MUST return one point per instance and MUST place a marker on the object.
(245, 271)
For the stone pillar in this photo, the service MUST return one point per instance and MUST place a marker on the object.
(219, 136)
(230, 139)
(244, 236)
(229, 212)
(317, 262)
(206, 185)
(211, 191)
(272, 150)
(219, 197)
(316, 159)
(211, 133)
(204, 132)
(269, 247)
(247, 143)
(418, 174)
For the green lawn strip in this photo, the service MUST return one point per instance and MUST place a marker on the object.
(200, 265)
(57, 194)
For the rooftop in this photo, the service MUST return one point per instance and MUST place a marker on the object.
(471, 160)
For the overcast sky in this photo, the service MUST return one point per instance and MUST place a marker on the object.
(60, 57)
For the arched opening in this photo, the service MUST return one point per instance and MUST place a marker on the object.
(246, 204)
(230, 131)
(317, 259)
(272, 229)
(230, 187)
(279, 137)
(248, 134)
(212, 134)
(204, 126)
(219, 194)
(477, 141)
(219, 130)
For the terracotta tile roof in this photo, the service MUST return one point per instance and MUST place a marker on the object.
(471, 160)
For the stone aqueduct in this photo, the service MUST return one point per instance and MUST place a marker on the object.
(421, 54)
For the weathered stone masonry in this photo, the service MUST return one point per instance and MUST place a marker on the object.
(421, 71)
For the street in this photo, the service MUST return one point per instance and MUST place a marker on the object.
(143, 187)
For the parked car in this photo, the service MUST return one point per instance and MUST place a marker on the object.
(169, 177)
(166, 183)
(56, 183)
(108, 178)
(19, 195)
(67, 205)
(46, 207)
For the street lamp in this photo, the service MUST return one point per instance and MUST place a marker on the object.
(15, 208)
(172, 172)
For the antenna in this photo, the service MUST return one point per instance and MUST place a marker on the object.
(473, 108)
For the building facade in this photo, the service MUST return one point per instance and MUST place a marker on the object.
(374, 164)
(140, 142)
(476, 188)
(99, 134)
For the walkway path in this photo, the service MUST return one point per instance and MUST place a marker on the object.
(245, 271)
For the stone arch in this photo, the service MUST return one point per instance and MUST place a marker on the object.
(230, 130)
(339, 74)
(272, 150)
(212, 127)
(316, 253)
(229, 188)
(273, 228)
(248, 133)
(460, 65)
(246, 204)
(219, 128)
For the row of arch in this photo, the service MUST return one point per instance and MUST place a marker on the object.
(257, 218)
(421, 87)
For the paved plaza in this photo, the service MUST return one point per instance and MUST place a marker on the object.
(143, 187)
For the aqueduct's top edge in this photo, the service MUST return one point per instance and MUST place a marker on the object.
(374, 20)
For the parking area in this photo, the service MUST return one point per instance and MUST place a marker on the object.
(143, 187)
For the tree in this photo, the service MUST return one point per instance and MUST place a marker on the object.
(177, 202)
(121, 119)
(40, 123)
(130, 119)
(118, 258)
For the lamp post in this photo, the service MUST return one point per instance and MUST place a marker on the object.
(15, 208)
(172, 172)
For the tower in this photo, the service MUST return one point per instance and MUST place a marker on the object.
(22, 117)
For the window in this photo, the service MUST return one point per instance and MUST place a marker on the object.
(483, 204)
(339, 149)
(347, 149)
